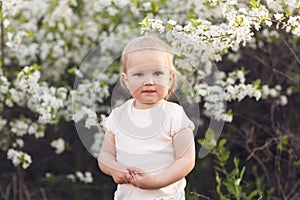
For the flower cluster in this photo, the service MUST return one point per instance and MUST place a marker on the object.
(59, 33)
(275, 93)
(4, 86)
(37, 96)
(98, 137)
(227, 88)
(84, 99)
(19, 157)
(85, 177)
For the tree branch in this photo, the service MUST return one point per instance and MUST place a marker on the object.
(2, 39)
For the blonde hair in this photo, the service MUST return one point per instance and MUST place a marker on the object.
(150, 43)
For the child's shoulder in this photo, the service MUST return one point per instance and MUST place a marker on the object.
(173, 107)
(122, 107)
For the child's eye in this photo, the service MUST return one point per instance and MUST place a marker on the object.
(138, 74)
(157, 73)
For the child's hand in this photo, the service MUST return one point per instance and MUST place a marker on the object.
(143, 180)
(122, 177)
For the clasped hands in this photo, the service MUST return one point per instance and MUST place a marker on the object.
(136, 178)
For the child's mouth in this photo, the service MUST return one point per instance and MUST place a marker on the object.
(148, 91)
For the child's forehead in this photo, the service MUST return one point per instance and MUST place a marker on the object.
(149, 67)
(148, 56)
(149, 52)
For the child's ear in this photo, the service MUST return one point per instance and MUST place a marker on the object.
(124, 79)
(171, 79)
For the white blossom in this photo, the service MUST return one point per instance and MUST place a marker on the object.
(19, 127)
(19, 157)
(19, 143)
(289, 91)
(172, 22)
(273, 92)
(96, 146)
(282, 100)
(48, 175)
(71, 177)
(278, 16)
(86, 177)
(59, 145)
(2, 123)
(98, 137)
(4, 85)
(234, 57)
(146, 5)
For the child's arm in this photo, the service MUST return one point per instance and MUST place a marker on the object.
(184, 147)
(107, 161)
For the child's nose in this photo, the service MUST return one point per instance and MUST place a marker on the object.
(149, 81)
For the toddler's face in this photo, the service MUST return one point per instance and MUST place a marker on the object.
(148, 76)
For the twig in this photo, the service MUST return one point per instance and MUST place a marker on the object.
(200, 195)
(273, 68)
(2, 192)
(26, 192)
(252, 154)
(2, 39)
(8, 189)
(20, 178)
(43, 192)
(278, 172)
(293, 190)
(292, 51)
(267, 143)
(15, 185)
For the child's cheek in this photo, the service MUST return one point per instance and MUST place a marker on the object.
(163, 81)
(134, 85)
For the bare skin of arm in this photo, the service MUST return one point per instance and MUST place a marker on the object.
(184, 147)
(108, 164)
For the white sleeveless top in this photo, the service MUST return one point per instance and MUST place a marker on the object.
(143, 139)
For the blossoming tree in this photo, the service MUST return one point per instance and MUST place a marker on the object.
(250, 49)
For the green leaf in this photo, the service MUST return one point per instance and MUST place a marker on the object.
(136, 2)
(236, 162)
(255, 3)
(285, 140)
(36, 67)
(234, 173)
(169, 27)
(242, 172)
(254, 193)
(222, 142)
(209, 141)
(229, 112)
(72, 70)
(8, 95)
(145, 23)
(52, 112)
(224, 156)
(218, 188)
(256, 84)
(231, 187)
(296, 163)
(68, 146)
(218, 179)
(195, 23)
(239, 20)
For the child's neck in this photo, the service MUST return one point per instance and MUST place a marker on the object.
(144, 106)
